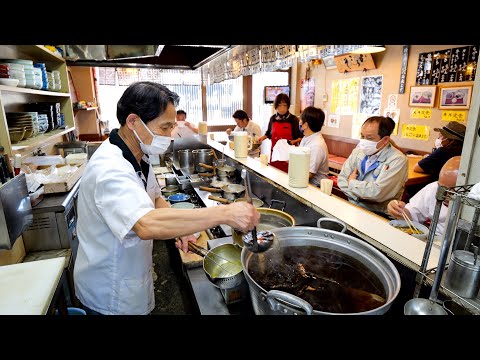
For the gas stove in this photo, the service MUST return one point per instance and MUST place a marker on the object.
(213, 233)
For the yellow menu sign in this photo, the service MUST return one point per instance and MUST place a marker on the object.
(451, 115)
(417, 132)
(421, 113)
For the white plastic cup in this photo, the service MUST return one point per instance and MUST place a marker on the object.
(241, 144)
(202, 128)
(298, 167)
(326, 186)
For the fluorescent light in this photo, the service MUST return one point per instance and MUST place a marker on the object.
(368, 49)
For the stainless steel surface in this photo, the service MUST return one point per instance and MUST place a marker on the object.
(54, 223)
(185, 159)
(204, 156)
(421, 306)
(463, 274)
(331, 224)
(376, 262)
(15, 210)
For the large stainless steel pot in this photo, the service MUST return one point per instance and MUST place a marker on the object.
(185, 159)
(269, 219)
(276, 302)
(204, 156)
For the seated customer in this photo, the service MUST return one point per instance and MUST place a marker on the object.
(245, 124)
(311, 122)
(375, 172)
(448, 145)
(183, 128)
(422, 206)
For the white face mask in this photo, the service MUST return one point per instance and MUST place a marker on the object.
(159, 143)
(438, 143)
(368, 147)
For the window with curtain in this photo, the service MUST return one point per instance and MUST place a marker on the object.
(223, 99)
(112, 82)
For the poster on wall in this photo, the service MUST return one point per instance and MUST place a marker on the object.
(392, 101)
(371, 95)
(333, 121)
(394, 114)
(416, 132)
(307, 93)
(357, 122)
(344, 96)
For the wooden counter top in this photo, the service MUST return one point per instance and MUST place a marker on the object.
(365, 224)
(415, 178)
(28, 288)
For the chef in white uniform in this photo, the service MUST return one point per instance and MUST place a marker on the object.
(120, 208)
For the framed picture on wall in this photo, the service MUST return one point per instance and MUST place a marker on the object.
(457, 98)
(422, 96)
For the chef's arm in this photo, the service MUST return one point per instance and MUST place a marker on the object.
(169, 223)
(161, 203)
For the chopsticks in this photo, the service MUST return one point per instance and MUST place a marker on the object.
(409, 222)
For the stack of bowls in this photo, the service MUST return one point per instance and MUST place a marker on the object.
(43, 71)
(16, 71)
(24, 121)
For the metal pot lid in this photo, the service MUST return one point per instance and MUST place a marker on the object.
(466, 259)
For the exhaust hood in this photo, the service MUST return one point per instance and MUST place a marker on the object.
(159, 56)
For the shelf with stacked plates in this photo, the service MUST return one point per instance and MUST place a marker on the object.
(458, 197)
(35, 105)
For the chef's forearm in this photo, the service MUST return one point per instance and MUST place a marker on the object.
(170, 223)
(161, 203)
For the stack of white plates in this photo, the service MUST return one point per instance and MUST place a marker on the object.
(38, 77)
(17, 71)
(50, 81)
(57, 83)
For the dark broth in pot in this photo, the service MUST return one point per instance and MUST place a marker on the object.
(328, 279)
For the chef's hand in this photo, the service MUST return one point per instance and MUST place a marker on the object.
(229, 131)
(353, 175)
(182, 242)
(242, 216)
(395, 208)
(188, 124)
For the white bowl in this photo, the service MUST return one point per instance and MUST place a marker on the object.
(403, 224)
(9, 82)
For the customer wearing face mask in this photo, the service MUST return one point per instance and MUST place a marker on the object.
(376, 171)
(311, 122)
(448, 144)
(121, 210)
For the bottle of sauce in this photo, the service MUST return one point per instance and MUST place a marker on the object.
(17, 163)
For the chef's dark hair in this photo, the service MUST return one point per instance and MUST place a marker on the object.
(146, 99)
(385, 124)
(181, 112)
(240, 114)
(314, 117)
(281, 98)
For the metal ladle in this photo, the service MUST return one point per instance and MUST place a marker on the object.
(251, 239)
(419, 306)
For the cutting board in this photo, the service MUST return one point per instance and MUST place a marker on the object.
(191, 260)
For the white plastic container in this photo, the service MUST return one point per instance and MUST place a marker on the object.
(298, 167)
(76, 159)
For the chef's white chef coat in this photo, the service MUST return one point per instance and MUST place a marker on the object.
(113, 268)
(422, 206)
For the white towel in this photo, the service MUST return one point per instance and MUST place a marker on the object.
(281, 150)
(475, 192)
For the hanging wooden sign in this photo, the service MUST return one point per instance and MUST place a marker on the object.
(354, 62)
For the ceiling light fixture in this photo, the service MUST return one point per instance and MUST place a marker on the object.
(368, 49)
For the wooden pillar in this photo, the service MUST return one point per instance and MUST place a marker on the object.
(247, 94)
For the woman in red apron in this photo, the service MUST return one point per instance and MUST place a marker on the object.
(282, 125)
